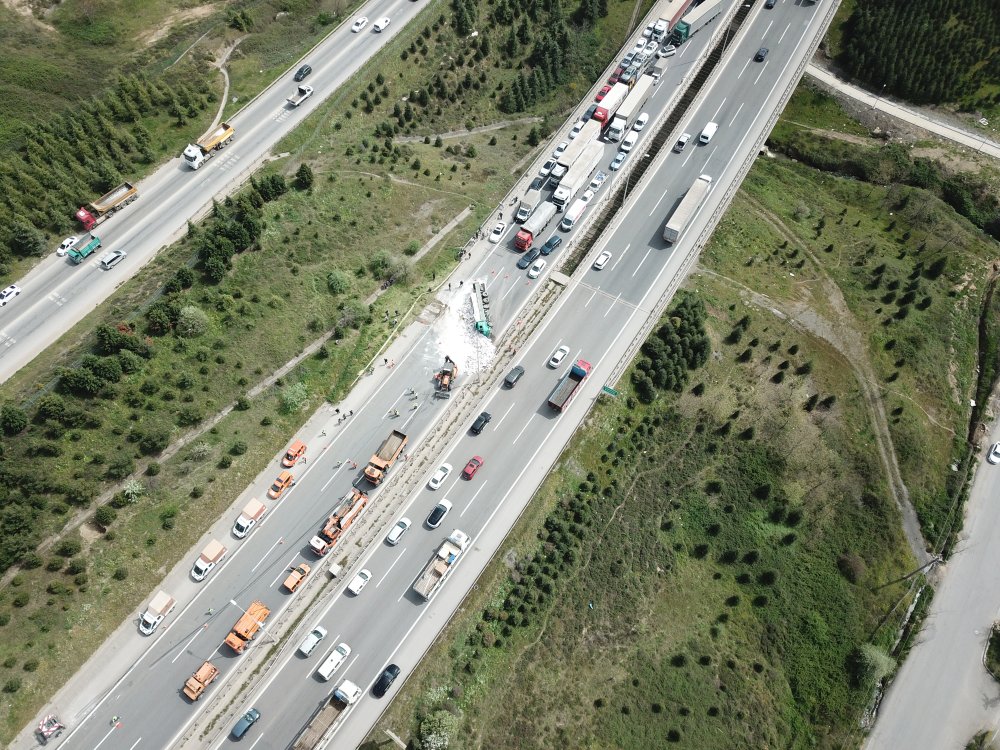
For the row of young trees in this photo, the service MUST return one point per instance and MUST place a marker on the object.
(677, 347)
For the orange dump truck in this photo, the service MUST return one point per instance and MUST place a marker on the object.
(247, 626)
(200, 680)
(339, 521)
(383, 459)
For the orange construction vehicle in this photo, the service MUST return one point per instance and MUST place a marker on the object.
(295, 451)
(339, 521)
(445, 377)
(200, 680)
(247, 626)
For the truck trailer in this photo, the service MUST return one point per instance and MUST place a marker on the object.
(387, 454)
(568, 385)
(346, 694)
(687, 208)
(534, 226)
(609, 105)
(578, 175)
(696, 20)
(198, 153)
(629, 110)
(440, 566)
(94, 213)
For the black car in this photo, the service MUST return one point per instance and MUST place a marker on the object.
(481, 421)
(538, 183)
(513, 376)
(243, 725)
(761, 54)
(528, 258)
(770, 3)
(590, 112)
(385, 680)
(551, 244)
(301, 73)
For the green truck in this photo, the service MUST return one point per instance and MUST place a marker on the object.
(84, 247)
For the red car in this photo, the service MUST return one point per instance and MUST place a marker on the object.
(602, 93)
(472, 467)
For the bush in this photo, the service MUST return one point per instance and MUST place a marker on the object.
(76, 566)
(68, 548)
(337, 282)
(293, 397)
(238, 448)
(105, 516)
(120, 574)
(121, 466)
(191, 322)
(12, 420)
(21, 599)
(153, 469)
(12, 685)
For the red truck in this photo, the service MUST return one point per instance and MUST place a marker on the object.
(610, 104)
(534, 225)
(101, 209)
(568, 385)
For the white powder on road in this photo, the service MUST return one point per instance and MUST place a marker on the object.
(457, 337)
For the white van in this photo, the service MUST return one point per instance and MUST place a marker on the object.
(629, 141)
(334, 661)
(708, 132)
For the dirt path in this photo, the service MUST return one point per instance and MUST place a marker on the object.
(460, 133)
(843, 335)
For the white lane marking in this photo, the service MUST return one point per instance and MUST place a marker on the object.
(769, 25)
(526, 425)
(743, 69)
(500, 421)
(481, 488)
(257, 740)
(279, 541)
(508, 292)
(333, 476)
(789, 26)
(612, 305)
(187, 645)
(379, 583)
(134, 744)
(721, 104)
(107, 734)
(590, 299)
(761, 73)
(733, 121)
(284, 571)
(648, 251)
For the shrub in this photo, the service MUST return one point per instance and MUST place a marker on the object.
(238, 448)
(12, 420)
(31, 561)
(76, 566)
(121, 466)
(120, 574)
(191, 322)
(105, 516)
(852, 567)
(12, 685)
(68, 548)
(21, 599)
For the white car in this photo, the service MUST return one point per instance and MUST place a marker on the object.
(360, 581)
(359, 24)
(112, 259)
(380, 25)
(648, 31)
(682, 142)
(994, 454)
(437, 515)
(629, 141)
(559, 150)
(602, 260)
(397, 531)
(311, 641)
(9, 293)
(334, 661)
(65, 245)
(639, 47)
(558, 356)
(536, 269)
(616, 163)
(599, 178)
(640, 122)
(439, 476)
(668, 51)
(547, 168)
(651, 47)
(576, 130)
(587, 197)
(497, 232)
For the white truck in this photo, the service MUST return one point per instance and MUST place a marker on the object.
(196, 154)
(301, 95)
(346, 694)
(252, 513)
(660, 29)
(687, 208)
(530, 202)
(575, 149)
(578, 175)
(441, 565)
(573, 215)
(161, 605)
(211, 556)
(629, 110)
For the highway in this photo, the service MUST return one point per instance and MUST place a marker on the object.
(596, 316)
(57, 293)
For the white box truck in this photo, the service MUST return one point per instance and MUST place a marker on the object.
(687, 208)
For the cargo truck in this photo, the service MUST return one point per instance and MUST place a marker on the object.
(609, 105)
(339, 522)
(573, 215)
(346, 694)
(534, 226)
(160, 606)
(481, 307)
(578, 175)
(198, 153)
(659, 68)
(531, 200)
(441, 565)
(575, 150)
(660, 29)
(629, 110)
(198, 682)
(101, 209)
(568, 385)
(84, 248)
(383, 459)
(252, 513)
(687, 208)
(211, 556)
(300, 96)
(247, 627)
(697, 19)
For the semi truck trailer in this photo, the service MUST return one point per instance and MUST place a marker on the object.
(198, 153)
(94, 213)
(687, 208)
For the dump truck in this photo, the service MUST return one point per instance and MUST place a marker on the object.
(568, 385)
(528, 204)
(346, 694)
(694, 21)
(84, 247)
(160, 606)
(445, 378)
(252, 513)
(383, 459)
(534, 226)
(441, 565)
(200, 680)
(210, 557)
(687, 208)
(300, 96)
(245, 629)
(94, 213)
(339, 522)
(196, 154)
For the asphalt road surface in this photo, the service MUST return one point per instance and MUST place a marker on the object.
(596, 317)
(57, 293)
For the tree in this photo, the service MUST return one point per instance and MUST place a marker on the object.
(192, 322)
(304, 177)
(24, 240)
(12, 420)
(293, 397)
